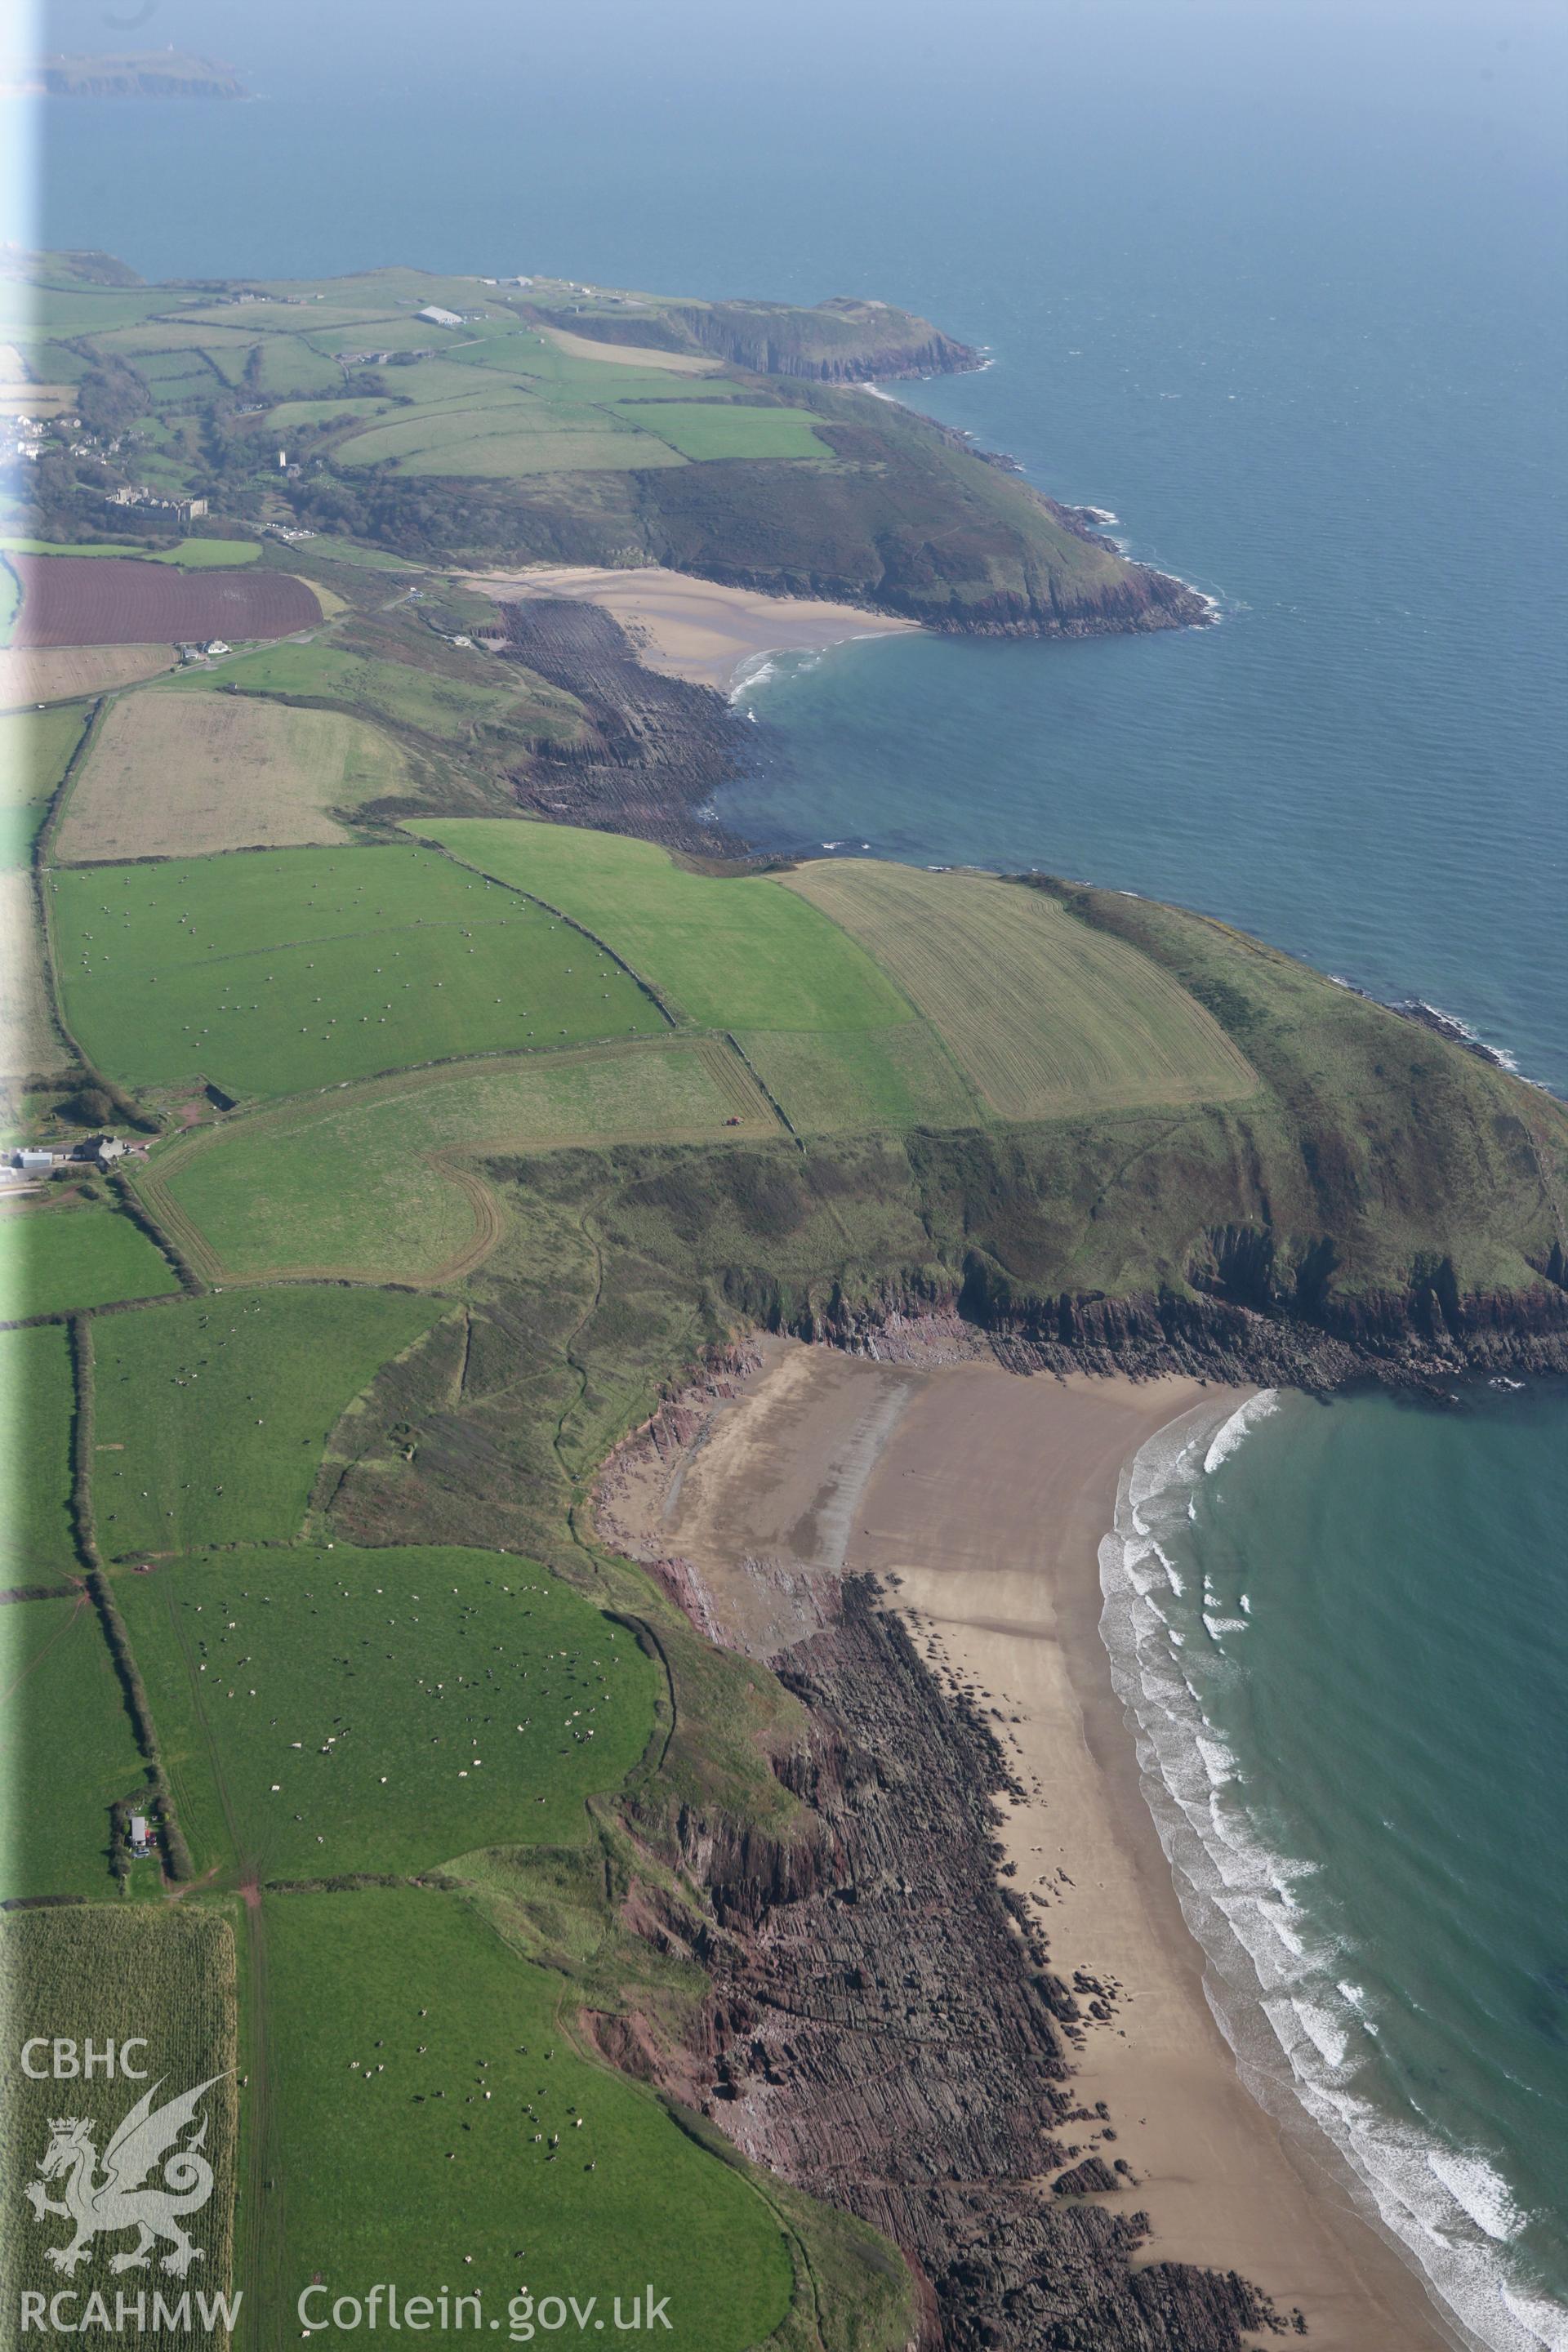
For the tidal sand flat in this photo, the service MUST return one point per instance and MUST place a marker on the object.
(693, 629)
(981, 1500)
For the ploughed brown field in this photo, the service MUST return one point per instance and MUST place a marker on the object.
(93, 600)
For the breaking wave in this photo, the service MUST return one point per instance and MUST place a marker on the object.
(1301, 2025)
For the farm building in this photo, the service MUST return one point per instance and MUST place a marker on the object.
(139, 1840)
(439, 318)
(103, 1150)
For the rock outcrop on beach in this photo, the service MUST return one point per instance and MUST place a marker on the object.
(655, 748)
(856, 2048)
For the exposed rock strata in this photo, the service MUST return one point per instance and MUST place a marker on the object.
(859, 2047)
(852, 2042)
(660, 748)
(1424, 1337)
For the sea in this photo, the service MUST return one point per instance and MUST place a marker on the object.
(1277, 285)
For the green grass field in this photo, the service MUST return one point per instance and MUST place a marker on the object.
(377, 335)
(554, 373)
(290, 365)
(177, 376)
(448, 710)
(190, 555)
(36, 747)
(849, 1081)
(54, 1260)
(1043, 1016)
(727, 954)
(290, 414)
(297, 968)
(212, 1414)
(65, 1738)
(114, 1971)
(30, 310)
(37, 1399)
(516, 404)
(465, 432)
(501, 456)
(361, 1184)
(706, 429)
(625, 2199)
(343, 1710)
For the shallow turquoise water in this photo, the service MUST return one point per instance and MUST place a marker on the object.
(1280, 287)
(1343, 1630)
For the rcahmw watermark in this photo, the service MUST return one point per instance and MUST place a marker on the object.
(72, 2312)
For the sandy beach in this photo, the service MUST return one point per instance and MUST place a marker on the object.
(981, 1499)
(693, 629)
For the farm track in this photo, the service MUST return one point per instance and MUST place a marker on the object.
(258, 2220)
(37, 1660)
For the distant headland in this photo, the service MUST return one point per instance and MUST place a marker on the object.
(156, 73)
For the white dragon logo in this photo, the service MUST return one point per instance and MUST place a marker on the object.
(118, 2201)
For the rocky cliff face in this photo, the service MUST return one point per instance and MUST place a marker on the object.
(1421, 1338)
(841, 341)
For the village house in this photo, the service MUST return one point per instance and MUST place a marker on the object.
(102, 1150)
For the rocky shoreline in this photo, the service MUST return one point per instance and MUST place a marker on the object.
(1419, 1343)
(850, 2043)
(659, 747)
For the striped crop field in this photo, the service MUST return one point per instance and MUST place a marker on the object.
(184, 775)
(1044, 1017)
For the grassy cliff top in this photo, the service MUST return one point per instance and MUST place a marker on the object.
(872, 1078)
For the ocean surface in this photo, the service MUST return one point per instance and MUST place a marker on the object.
(1342, 1631)
(1280, 287)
